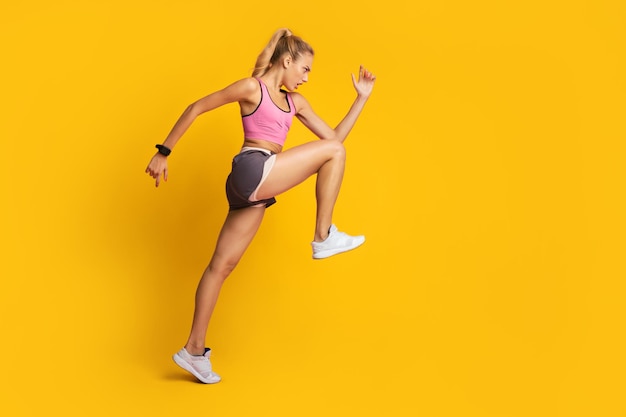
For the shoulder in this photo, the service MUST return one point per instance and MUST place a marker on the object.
(246, 85)
(244, 89)
(299, 101)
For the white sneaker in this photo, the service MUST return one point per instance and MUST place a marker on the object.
(198, 366)
(335, 243)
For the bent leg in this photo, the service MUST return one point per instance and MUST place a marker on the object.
(324, 157)
(236, 234)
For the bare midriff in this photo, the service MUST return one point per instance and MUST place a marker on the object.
(265, 144)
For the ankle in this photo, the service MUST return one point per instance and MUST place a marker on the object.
(321, 234)
(194, 349)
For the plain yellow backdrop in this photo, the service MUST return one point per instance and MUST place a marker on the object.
(487, 172)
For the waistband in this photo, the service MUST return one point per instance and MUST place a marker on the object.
(252, 148)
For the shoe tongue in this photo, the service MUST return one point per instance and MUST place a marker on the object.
(332, 229)
(207, 352)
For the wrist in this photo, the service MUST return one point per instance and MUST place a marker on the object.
(163, 150)
(360, 101)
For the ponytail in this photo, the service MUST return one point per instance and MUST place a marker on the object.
(282, 42)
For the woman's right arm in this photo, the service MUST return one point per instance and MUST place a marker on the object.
(239, 91)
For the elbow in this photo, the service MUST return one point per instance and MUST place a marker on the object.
(194, 110)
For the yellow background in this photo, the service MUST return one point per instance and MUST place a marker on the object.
(487, 172)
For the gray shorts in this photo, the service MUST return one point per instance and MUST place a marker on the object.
(250, 167)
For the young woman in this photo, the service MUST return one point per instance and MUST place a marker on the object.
(261, 170)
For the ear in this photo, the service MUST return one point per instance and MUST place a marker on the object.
(287, 61)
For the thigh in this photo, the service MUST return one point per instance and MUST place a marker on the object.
(297, 164)
(237, 232)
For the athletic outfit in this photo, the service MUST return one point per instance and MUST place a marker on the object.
(252, 165)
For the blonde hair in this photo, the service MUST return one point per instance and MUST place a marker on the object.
(282, 42)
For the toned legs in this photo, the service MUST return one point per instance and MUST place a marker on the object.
(236, 234)
(324, 157)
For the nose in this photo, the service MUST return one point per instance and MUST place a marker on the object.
(306, 78)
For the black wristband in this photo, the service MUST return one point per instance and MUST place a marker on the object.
(164, 150)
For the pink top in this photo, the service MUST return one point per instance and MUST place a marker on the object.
(268, 121)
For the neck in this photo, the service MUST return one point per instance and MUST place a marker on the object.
(273, 79)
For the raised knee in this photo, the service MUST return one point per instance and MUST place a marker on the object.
(336, 148)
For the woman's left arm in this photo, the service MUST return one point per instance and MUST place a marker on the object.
(363, 86)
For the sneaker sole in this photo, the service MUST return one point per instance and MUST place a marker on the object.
(183, 364)
(328, 253)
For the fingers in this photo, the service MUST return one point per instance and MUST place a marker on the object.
(365, 74)
(157, 169)
(157, 177)
(152, 173)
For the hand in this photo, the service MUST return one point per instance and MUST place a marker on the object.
(157, 167)
(365, 84)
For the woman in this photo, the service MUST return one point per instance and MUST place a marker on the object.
(261, 171)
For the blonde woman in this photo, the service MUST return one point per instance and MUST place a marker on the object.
(263, 170)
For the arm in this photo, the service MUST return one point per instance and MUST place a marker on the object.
(311, 120)
(239, 91)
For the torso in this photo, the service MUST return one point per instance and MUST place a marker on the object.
(259, 143)
(280, 100)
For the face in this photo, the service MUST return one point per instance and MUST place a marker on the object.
(297, 71)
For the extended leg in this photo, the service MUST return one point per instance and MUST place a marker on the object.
(236, 234)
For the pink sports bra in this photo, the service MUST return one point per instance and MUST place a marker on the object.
(268, 121)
